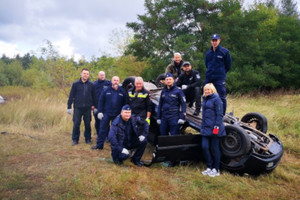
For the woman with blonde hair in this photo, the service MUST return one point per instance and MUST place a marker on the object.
(212, 128)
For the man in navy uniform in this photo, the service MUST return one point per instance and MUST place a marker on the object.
(189, 81)
(172, 108)
(100, 85)
(83, 96)
(109, 106)
(127, 136)
(218, 63)
(139, 100)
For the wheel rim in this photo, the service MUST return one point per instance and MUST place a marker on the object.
(255, 123)
(232, 142)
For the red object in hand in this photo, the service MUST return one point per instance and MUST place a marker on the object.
(216, 130)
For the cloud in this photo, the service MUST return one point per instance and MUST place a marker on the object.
(77, 27)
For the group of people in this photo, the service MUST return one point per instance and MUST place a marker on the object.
(129, 112)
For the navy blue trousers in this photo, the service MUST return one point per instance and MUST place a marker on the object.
(84, 112)
(169, 125)
(213, 157)
(140, 147)
(221, 89)
(103, 131)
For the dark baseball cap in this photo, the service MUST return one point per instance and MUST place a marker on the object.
(215, 36)
(186, 63)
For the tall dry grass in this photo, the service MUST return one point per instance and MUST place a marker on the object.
(37, 160)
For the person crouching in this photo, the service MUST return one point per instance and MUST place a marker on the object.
(123, 137)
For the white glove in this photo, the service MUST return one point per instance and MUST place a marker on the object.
(141, 138)
(69, 111)
(184, 87)
(95, 110)
(158, 121)
(180, 121)
(100, 116)
(125, 151)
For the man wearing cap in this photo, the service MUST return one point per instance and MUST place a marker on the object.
(100, 85)
(171, 108)
(109, 106)
(218, 63)
(127, 133)
(175, 67)
(139, 100)
(189, 81)
(83, 96)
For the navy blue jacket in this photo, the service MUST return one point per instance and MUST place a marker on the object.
(218, 63)
(192, 80)
(212, 115)
(111, 101)
(123, 134)
(171, 103)
(82, 94)
(100, 86)
(139, 102)
(118, 133)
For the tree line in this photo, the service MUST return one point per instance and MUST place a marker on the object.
(263, 39)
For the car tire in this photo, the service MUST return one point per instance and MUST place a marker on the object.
(158, 79)
(128, 83)
(256, 120)
(236, 143)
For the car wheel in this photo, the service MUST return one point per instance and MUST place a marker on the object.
(158, 81)
(128, 83)
(236, 143)
(256, 120)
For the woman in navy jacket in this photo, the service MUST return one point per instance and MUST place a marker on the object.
(212, 128)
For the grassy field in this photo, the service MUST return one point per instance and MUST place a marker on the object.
(37, 160)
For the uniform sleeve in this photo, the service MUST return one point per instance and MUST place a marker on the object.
(227, 62)
(101, 102)
(179, 81)
(71, 96)
(94, 94)
(159, 106)
(219, 112)
(112, 137)
(197, 81)
(148, 103)
(183, 105)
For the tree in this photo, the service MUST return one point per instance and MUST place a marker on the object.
(288, 8)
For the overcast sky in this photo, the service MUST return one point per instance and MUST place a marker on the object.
(75, 27)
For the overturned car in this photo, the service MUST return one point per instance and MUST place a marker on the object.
(247, 148)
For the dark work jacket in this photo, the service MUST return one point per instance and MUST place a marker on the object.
(111, 101)
(82, 94)
(218, 63)
(119, 133)
(139, 102)
(192, 80)
(100, 86)
(175, 69)
(212, 115)
(171, 104)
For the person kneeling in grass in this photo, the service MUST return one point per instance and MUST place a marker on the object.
(212, 128)
(127, 136)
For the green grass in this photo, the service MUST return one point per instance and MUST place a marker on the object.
(37, 160)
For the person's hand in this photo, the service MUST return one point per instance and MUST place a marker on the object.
(95, 111)
(216, 130)
(141, 138)
(148, 121)
(100, 116)
(158, 121)
(69, 111)
(184, 87)
(125, 151)
(180, 121)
